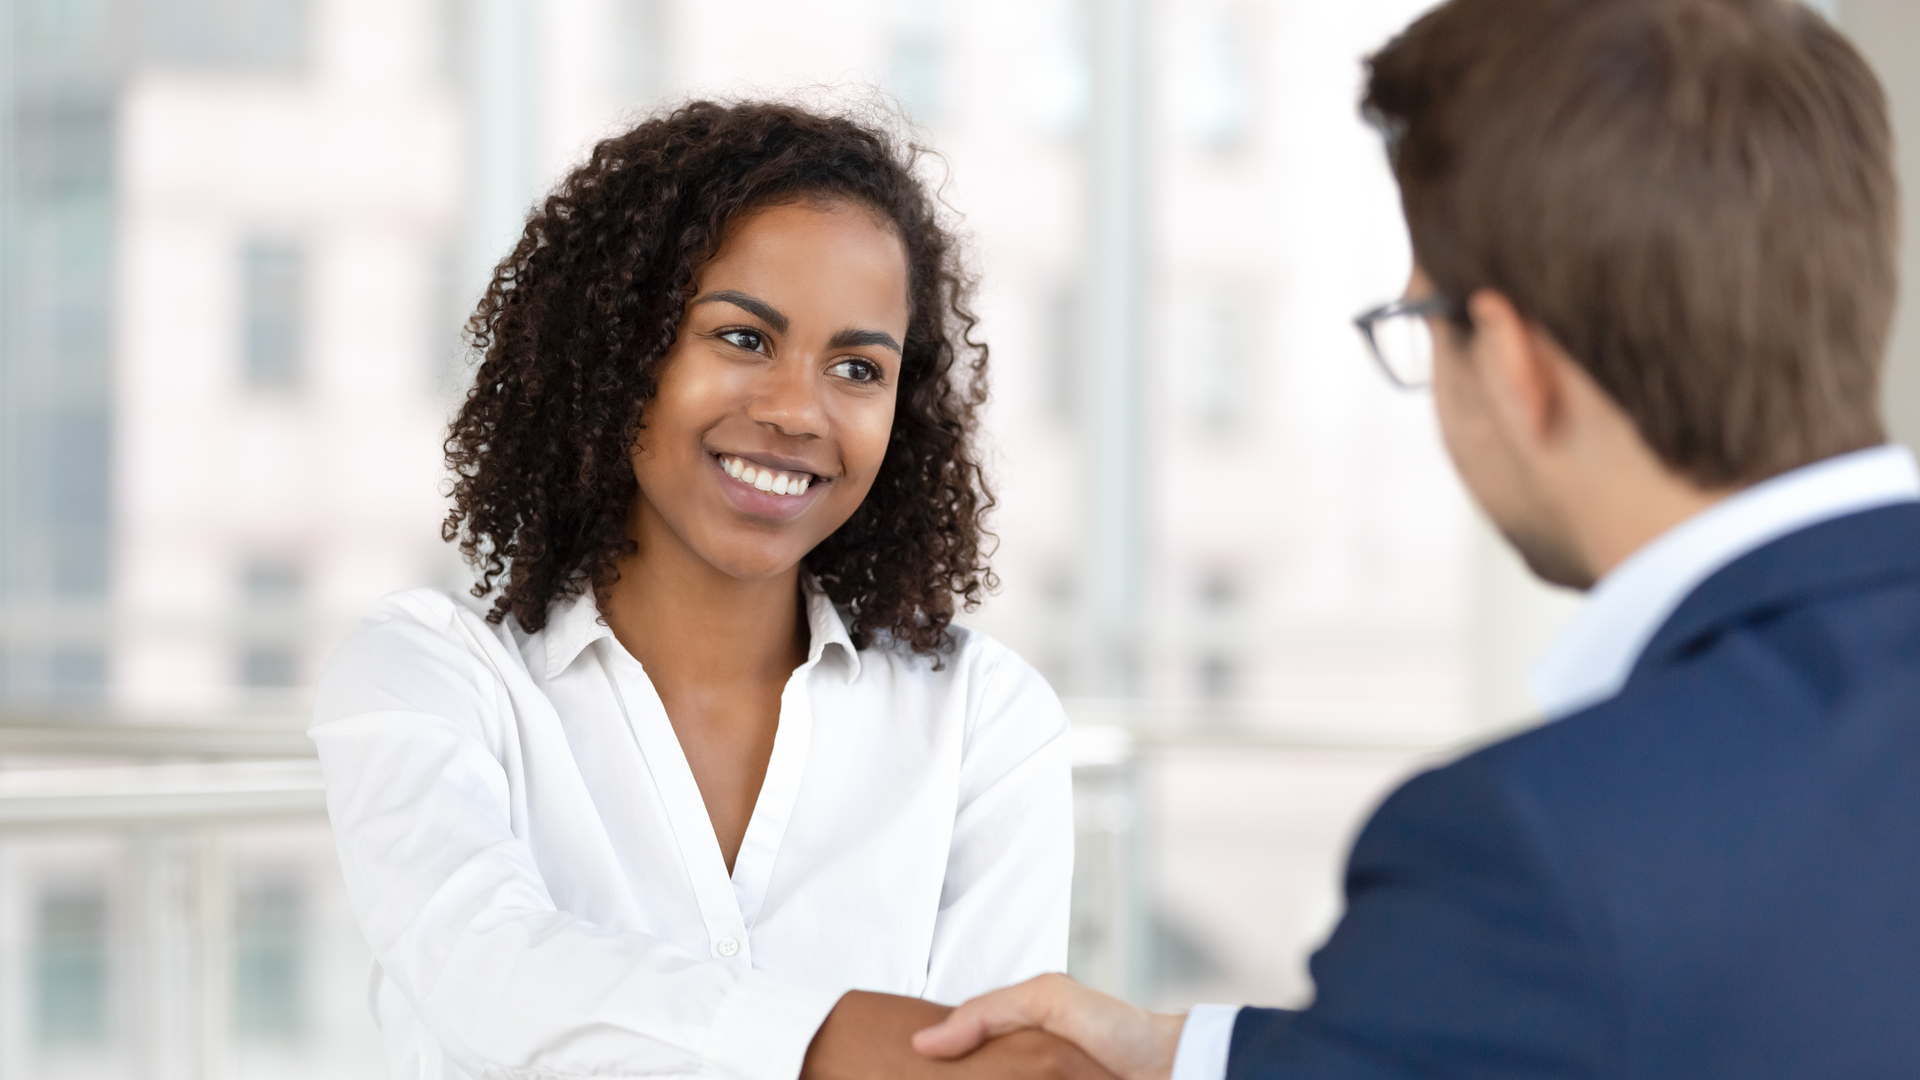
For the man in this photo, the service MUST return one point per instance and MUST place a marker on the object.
(1655, 247)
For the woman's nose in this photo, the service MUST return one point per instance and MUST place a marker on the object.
(788, 399)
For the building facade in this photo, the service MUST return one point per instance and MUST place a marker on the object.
(241, 235)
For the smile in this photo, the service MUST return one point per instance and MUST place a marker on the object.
(765, 479)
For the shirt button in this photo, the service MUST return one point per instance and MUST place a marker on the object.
(728, 946)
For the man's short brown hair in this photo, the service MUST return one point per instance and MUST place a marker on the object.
(1695, 198)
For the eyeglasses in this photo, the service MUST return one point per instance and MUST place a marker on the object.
(1401, 338)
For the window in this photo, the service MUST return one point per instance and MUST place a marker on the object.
(1213, 86)
(268, 667)
(60, 38)
(267, 582)
(1061, 362)
(271, 591)
(1217, 675)
(1218, 591)
(269, 959)
(274, 279)
(449, 359)
(447, 42)
(1217, 370)
(917, 60)
(258, 35)
(1059, 80)
(79, 500)
(78, 674)
(67, 165)
(640, 26)
(70, 967)
(63, 676)
(57, 230)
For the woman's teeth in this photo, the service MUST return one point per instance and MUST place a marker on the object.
(766, 479)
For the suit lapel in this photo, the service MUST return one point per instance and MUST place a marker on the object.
(1844, 554)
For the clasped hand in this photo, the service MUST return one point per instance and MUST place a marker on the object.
(1047, 1028)
(1128, 1042)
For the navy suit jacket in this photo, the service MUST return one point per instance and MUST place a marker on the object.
(1715, 874)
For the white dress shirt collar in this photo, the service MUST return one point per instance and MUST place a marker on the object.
(1591, 661)
(575, 623)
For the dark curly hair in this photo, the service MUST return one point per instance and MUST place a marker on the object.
(576, 318)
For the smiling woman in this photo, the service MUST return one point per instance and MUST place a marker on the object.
(781, 382)
(707, 782)
(595, 296)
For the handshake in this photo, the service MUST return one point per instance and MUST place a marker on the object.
(1047, 1028)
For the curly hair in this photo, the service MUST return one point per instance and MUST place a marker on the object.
(576, 319)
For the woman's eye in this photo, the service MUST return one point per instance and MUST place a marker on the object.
(856, 370)
(750, 340)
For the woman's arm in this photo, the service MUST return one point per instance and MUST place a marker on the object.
(1004, 905)
(410, 722)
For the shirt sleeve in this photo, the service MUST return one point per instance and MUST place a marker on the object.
(1461, 953)
(1204, 1041)
(408, 721)
(1004, 903)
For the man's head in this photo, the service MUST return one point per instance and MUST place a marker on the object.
(1687, 207)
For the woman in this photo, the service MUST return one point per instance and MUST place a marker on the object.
(714, 755)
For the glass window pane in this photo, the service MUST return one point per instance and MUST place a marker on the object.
(70, 968)
(269, 964)
(243, 34)
(274, 275)
(269, 666)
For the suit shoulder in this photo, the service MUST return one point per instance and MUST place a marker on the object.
(1764, 692)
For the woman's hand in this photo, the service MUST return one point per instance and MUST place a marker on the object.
(869, 1037)
(1131, 1043)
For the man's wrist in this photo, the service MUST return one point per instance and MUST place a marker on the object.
(1203, 1043)
(1163, 1033)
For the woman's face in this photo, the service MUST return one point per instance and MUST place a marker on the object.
(776, 401)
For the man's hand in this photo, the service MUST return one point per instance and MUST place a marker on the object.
(1131, 1043)
(868, 1037)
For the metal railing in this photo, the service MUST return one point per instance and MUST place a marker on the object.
(151, 774)
(163, 815)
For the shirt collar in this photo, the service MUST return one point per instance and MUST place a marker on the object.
(572, 624)
(825, 627)
(575, 623)
(1590, 662)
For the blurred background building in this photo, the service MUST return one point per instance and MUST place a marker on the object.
(237, 239)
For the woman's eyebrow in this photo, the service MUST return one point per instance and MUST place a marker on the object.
(752, 305)
(849, 339)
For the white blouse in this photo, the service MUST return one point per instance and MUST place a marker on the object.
(529, 857)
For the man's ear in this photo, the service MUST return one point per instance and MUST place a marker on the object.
(1515, 363)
